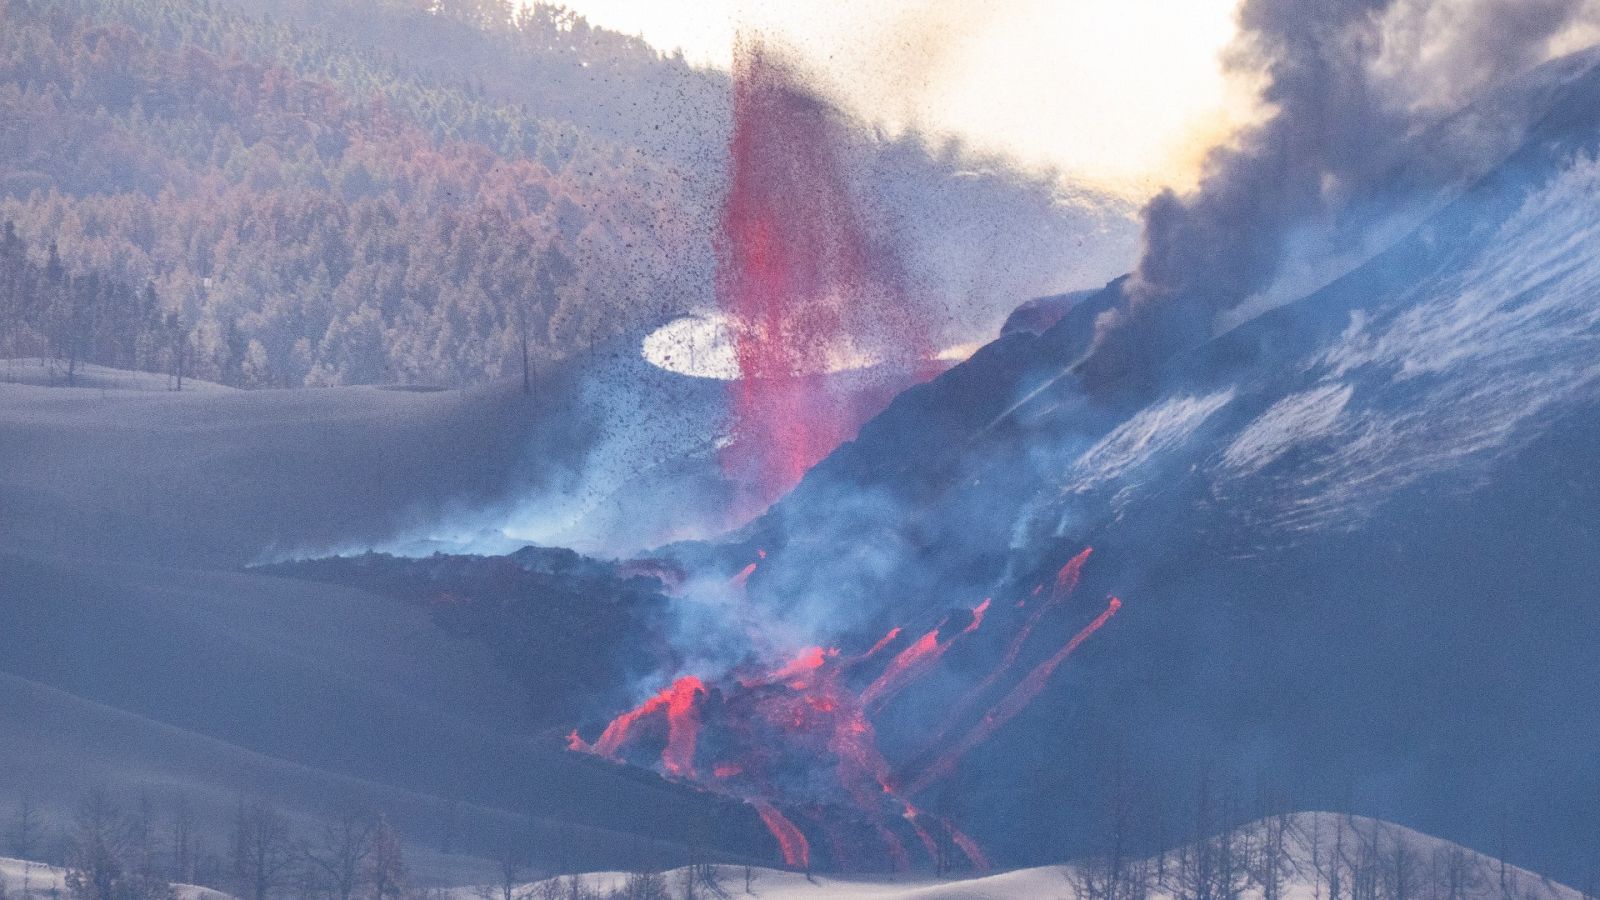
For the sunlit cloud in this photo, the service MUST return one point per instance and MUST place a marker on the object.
(1120, 93)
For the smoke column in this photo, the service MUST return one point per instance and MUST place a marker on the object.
(807, 287)
(1347, 94)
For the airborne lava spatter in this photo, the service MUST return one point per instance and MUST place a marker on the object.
(801, 732)
(808, 289)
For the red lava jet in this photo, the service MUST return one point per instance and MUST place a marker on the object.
(808, 288)
(800, 734)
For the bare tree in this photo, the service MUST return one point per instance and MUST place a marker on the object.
(1507, 876)
(701, 880)
(338, 859)
(386, 864)
(1313, 842)
(1335, 860)
(25, 839)
(1451, 874)
(1272, 865)
(183, 842)
(1363, 863)
(263, 857)
(103, 860)
(1400, 870)
(511, 866)
(142, 836)
(26, 832)
(646, 886)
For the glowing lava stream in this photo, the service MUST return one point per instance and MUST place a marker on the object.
(916, 660)
(1065, 583)
(683, 726)
(801, 732)
(1014, 702)
(791, 841)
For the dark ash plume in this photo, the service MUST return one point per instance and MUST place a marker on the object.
(1345, 113)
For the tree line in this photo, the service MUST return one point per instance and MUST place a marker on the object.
(306, 228)
(144, 850)
(1339, 856)
(49, 313)
(432, 191)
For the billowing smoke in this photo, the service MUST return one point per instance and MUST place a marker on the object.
(1351, 90)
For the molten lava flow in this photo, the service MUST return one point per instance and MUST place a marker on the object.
(1067, 579)
(970, 848)
(796, 849)
(794, 674)
(680, 705)
(1014, 702)
(917, 659)
(978, 613)
(1066, 583)
(808, 290)
(883, 642)
(801, 734)
(904, 667)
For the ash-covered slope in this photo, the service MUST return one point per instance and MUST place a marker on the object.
(1352, 535)
(140, 656)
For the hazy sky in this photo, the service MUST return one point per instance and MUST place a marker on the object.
(1123, 92)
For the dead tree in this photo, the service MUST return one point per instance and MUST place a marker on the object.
(1400, 870)
(386, 864)
(263, 857)
(646, 886)
(512, 883)
(26, 832)
(338, 860)
(1313, 843)
(103, 862)
(1363, 864)
(1335, 860)
(1112, 873)
(184, 868)
(1213, 865)
(702, 880)
(1272, 865)
(24, 840)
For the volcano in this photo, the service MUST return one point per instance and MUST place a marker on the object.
(1356, 526)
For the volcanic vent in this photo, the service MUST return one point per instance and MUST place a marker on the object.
(810, 287)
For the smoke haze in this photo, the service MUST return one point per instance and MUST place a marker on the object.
(1349, 91)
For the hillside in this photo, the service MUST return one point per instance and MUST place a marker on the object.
(312, 201)
(140, 657)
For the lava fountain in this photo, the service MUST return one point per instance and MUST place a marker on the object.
(824, 328)
(801, 734)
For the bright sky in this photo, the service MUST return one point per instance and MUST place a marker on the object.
(1124, 93)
